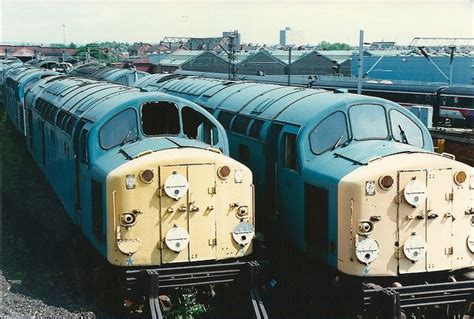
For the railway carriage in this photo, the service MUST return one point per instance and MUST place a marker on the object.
(146, 178)
(353, 182)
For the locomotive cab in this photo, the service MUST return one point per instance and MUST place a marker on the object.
(174, 197)
(394, 213)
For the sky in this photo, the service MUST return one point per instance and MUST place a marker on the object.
(258, 21)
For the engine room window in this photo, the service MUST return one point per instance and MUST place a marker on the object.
(255, 128)
(368, 122)
(240, 124)
(197, 126)
(119, 129)
(290, 152)
(160, 118)
(330, 133)
(225, 118)
(404, 130)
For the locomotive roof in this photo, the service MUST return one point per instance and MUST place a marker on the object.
(102, 72)
(300, 80)
(153, 79)
(265, 101)
(22, 74)
(80, 97)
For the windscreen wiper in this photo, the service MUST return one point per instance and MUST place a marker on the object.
(128, 135)
(403, 135)
(337, 142)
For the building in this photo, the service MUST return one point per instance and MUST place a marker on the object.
(175, 60)
(342, 58)
(139, 49)
(313, 62)
(235, 35)
(28, 52)
(261, 62)
(290, 37)
(417, 68)
(381, 45)
(207, 61)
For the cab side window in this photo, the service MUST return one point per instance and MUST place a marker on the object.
(290, 160)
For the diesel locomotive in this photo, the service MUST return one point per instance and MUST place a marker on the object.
(452, 105)
(17, 82)
(352, 182)
(125, 76)
(146, 178)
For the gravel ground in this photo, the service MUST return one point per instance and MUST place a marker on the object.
(38, 272)
(17, 305)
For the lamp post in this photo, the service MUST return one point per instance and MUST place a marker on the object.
(361, 61)
(64, 34)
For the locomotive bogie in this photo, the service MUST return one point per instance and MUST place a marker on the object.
(184, 213)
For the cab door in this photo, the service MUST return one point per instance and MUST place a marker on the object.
(439, 220)
(289, 187)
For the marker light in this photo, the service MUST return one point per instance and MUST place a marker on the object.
(147, 176)
(386, 182)
(223, 172)
(367, 250)
(460, 177)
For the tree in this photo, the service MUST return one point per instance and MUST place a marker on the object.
(325, 45)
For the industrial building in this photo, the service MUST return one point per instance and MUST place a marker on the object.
(417, 68)
(290, 37)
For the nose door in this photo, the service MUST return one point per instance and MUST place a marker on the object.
(188, 220)
(425, 220)
(411, 221)
(439, 220)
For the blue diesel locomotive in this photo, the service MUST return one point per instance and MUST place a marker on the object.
(146, 178)
(352, 181)
(125, 76)
(17, 82)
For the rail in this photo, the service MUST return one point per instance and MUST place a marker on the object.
(389, 302)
